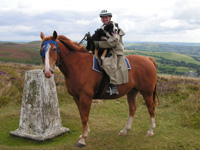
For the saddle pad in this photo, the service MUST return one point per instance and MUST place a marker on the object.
(97, 68)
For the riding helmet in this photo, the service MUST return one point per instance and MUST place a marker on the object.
(105, 13)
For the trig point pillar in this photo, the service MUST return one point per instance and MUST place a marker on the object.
(40, 117)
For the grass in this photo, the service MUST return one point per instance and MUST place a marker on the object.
(177, 116)
(184, 69)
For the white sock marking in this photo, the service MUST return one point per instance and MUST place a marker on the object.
(128, 125)
(152, 126)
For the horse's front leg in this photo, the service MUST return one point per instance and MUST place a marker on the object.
(84, 105)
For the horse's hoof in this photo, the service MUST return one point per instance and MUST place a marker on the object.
(149, 134)
(121, 133)
(80, 145)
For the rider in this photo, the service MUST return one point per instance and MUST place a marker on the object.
(115, 65)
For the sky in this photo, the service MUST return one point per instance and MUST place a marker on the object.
(141, 20)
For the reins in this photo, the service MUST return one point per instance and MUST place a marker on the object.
(58, 51)
(58, 63)
(105, 77)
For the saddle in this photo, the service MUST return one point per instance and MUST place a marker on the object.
(105, 79)
(97, 66)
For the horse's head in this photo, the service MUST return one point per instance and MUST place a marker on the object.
(49, 52)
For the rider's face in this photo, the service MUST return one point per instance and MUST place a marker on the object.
(105, 19)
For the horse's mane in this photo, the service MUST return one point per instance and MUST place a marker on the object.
(71, 45)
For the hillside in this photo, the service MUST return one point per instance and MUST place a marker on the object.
(182, 48)
(27, 53)
(34, 43)
(170, 63)
(172, 58)
(177, 116)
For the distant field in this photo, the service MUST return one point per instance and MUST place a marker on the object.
(172, 58)
(181, 48)
(20, 53)
(170, 63)
(166, 55)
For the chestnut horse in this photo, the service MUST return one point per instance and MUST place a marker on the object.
(83, 83)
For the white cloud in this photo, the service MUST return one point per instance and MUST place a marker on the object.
(171, 24)
(143, 20)
(128, 25)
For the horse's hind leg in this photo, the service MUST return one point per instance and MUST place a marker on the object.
(151, 108)
(131, 98)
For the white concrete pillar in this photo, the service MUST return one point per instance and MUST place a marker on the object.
(40, 117)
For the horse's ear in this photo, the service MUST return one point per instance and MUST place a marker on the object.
(42, 35)
(54, 35)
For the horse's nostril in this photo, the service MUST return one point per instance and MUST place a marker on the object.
(51, 71)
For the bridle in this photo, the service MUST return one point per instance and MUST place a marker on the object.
(58, 63)
(45, 44)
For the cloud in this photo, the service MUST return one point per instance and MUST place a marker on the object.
(16, 23)
(171, 24)
(155, 20)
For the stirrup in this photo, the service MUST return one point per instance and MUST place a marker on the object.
(109, 91)
(112, 90)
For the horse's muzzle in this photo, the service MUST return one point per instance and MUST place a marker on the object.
(48, 73)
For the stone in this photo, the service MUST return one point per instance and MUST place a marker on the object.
(40, 117)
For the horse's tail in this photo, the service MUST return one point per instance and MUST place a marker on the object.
(155, 95)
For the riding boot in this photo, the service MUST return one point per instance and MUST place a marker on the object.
(112, 90)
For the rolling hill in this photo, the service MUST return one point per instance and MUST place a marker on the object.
(27, 53)
(172, 58)
(170, 63)
(182, 48)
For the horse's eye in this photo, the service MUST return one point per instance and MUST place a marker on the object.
(54, 49)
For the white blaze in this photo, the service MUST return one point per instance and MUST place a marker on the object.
(47, 66)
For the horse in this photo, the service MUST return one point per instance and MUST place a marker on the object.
(75, 62)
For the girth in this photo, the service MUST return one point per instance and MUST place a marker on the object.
(104, 80)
